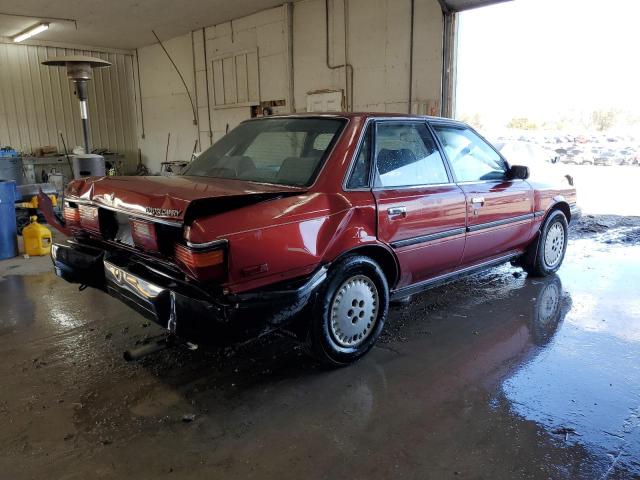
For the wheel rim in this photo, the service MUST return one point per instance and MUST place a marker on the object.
(549, 300)
(554, 245)
(354, 311)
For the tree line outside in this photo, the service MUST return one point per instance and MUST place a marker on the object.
(601, 120)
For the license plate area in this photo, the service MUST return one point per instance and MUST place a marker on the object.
(123, 235)
(89, 218)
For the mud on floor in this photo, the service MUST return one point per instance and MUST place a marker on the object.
(608, 228)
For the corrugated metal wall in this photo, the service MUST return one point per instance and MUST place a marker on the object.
(37, 102)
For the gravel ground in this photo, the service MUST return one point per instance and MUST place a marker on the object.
(608, 228)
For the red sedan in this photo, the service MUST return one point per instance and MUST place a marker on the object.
(310, 224)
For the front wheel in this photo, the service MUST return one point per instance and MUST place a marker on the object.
(547, 253)
(349, 312)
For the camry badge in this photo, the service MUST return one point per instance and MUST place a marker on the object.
(162, 212)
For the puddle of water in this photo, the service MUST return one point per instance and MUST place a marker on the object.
(42, 304)
(587, 379)
(18, 309)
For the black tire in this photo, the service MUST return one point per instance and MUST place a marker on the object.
(324, 344)
(535, 261)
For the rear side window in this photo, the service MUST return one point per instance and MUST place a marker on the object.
(407, 155)
(360, 173)
(472, 159)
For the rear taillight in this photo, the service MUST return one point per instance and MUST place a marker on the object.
(71, 215)
(144, 234)
(207, 265)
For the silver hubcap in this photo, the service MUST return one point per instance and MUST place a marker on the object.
(354, 311)
(554, 245)
(550, 298)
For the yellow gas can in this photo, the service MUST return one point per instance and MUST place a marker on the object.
(37, 238)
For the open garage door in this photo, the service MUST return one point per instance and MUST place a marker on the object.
(557, 93)
(451, 8)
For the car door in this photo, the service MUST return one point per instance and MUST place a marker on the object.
(499, 209)
(421, 211)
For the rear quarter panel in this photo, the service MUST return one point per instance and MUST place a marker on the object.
(288, 237)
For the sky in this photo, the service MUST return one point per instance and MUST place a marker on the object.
(546, 58)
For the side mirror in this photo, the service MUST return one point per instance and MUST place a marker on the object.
(518, 172)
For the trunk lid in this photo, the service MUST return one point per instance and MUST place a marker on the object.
(176, 198)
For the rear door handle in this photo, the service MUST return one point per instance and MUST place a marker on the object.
(397, 211)
(476, 200)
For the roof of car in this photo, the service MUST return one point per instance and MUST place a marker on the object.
(364, 115)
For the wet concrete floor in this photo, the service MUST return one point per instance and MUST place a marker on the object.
(495, 376)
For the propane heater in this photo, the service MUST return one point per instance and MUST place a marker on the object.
(79, 71)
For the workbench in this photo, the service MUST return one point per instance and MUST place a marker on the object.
(34, 166)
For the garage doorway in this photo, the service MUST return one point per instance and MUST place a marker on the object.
(554, 86)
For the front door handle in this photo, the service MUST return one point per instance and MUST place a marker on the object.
(477, 200)
(397, 211)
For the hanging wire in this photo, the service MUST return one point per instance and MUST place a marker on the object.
(193, 107)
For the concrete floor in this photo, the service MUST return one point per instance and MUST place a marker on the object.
(496, 376)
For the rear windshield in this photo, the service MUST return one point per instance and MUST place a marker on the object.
(285, 151)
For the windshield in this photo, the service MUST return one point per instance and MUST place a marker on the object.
(286, 151)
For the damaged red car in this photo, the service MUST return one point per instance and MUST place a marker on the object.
(310, 224)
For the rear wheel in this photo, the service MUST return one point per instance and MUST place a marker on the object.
(349, 312)
(547, 253)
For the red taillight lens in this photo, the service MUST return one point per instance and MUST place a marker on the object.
(71, 215)
(144, 234)
(199, 260)
(206, 265)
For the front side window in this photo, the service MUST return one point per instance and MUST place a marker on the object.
(286, 151)
(406, 155)
(471, 158)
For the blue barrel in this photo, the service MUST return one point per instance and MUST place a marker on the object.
(8, 228)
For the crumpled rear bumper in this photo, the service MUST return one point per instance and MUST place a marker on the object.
(183, 308)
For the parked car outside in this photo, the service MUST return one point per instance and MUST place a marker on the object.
(576, 157)
(542, 162)
(527, 151)
(625, 156)
(310, 224)
(603, 160)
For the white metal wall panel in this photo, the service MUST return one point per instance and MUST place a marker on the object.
(325, 101)
(37, 102)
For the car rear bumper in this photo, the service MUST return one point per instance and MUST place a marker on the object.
(184, 309)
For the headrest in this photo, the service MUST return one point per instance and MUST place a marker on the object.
(296, 170)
